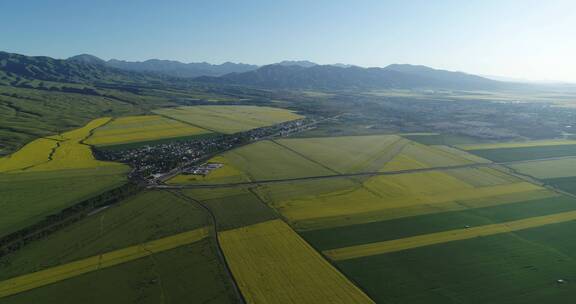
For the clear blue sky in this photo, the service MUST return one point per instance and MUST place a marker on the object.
(517, 38)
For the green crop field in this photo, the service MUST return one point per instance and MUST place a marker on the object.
(505, 268)
(142, 218)
(331, 238)
(229, 119)
(174, 276)
(547, 169)
(567, 184)
(526, 153)
(28, 197)
(146, 128)
(264, 160)
(233, 207)
(348, 154)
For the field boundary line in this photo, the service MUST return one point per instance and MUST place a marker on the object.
(423, 240)
(187, 122)
(62, 272)
(345, 175)
(213, 231)
(305, 157)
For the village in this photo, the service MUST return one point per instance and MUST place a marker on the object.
(151, 163)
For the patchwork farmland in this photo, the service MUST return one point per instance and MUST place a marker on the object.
(377, 206)
(347, 219)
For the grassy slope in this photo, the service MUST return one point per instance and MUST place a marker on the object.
(26, 113)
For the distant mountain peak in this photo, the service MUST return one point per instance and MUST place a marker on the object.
(300, 63)
(86, 58)
(180, 69)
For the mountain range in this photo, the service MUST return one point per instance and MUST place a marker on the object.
(333, 77)
(282, 75)
(169, 67)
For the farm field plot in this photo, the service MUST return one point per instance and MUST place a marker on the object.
(518, 267)
(174, 276)
(417, 156)
(72, 153)
(387, 230)
(265, 160)
(348, 154)
(547, 169)
(370, 153)
(402, 195)
(567, 184)
(440, 139)
(423, 240)
(132, 129)
(272, 264)
(517, 144)
(28, 197)
(32, 154)
(522, 151)
(143, 218)
(233, 207)
(230, 119)
(526, 153)
(104, 260)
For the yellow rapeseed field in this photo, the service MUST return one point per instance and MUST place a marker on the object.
(62, 151)
(272, 264)
(446, 236)
(141, 128)
(392, 196)
(32, 154)
(72, 153)
(109, 259)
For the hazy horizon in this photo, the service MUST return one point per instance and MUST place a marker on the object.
(530, 40)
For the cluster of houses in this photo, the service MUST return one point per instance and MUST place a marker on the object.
(155, 160)
(203, 169)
